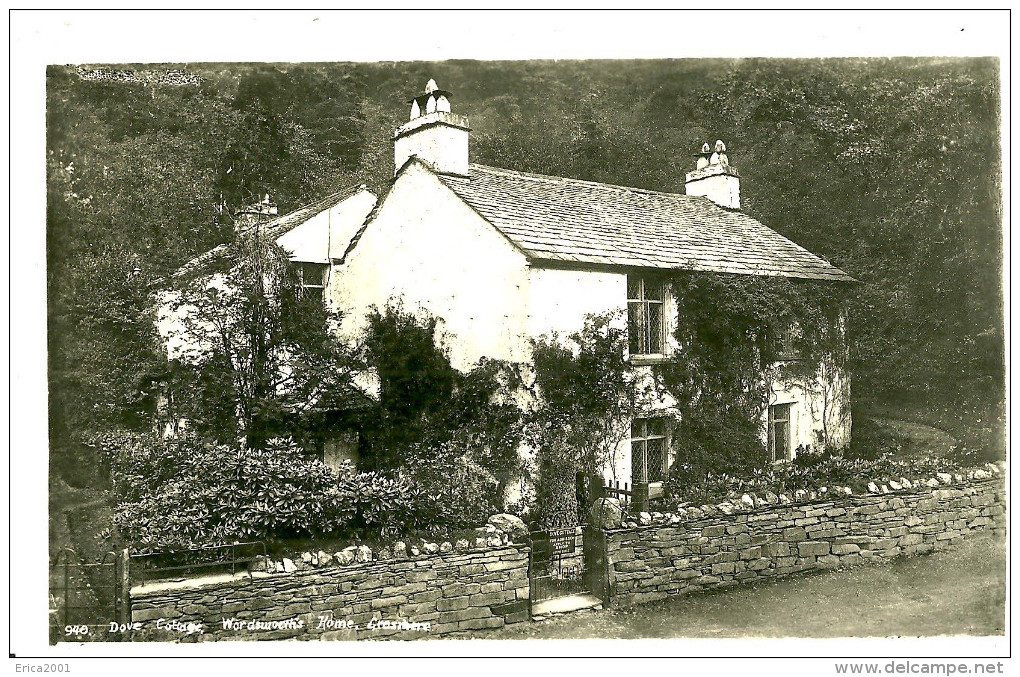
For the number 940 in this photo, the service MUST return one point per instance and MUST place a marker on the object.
(76, 630)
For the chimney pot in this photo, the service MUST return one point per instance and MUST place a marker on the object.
(435, 135)
(714, 178)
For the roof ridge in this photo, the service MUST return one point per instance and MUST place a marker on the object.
(597, 184)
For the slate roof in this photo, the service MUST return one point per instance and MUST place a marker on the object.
(582, 222)
(274, 229)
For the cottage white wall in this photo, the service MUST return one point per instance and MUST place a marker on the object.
(430, 250)
(558, 299)
(327, 234)
(820, 409)
(177, 325)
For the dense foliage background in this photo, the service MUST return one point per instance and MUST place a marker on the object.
(887, 168)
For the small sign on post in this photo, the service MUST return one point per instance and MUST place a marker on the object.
(563, 541)
(554, 543)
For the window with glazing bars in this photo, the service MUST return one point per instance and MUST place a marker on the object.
(645, 312)
(312, 277)
(779, 432)
(649, 450)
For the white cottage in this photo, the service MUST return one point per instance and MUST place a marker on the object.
(502, 256)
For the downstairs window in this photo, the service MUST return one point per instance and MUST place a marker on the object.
(779, 432)
(649, 450)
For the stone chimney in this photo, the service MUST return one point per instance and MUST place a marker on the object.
(433, 134)
(261, 212)
(714, 178)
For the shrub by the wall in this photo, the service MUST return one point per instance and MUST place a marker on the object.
(555, 487)
(186, 493)
(809, 471)
(458, 492)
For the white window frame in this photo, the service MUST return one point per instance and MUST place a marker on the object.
(640, 473)
(772, 421)
(324, 267)
(645, 303)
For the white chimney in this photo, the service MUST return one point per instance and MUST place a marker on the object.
(433, 134)
(714, 178)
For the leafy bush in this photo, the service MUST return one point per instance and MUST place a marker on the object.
(734, 331)
(585, 394)
(453, 434)
(371, 502)
(555, 486)
(416, 384)
(720, 443)
(185, 494)
(810, 471)
(457, 491)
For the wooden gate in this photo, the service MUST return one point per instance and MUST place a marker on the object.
(85, 597)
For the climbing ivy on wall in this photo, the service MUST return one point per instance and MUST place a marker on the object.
(429, 416)
(583, 397)
(733, 333)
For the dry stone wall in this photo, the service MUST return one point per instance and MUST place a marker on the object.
(675, 556)
(411, 592)
(429, 596)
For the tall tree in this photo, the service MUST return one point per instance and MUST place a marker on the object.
(255, 342)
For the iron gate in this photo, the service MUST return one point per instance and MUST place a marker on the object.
(569, 556)
(86, 596)
(557, 567)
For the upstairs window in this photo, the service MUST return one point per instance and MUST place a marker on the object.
(646, 298)
(779, 432)
(649, 449)
(786, 341)
(312, 279)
